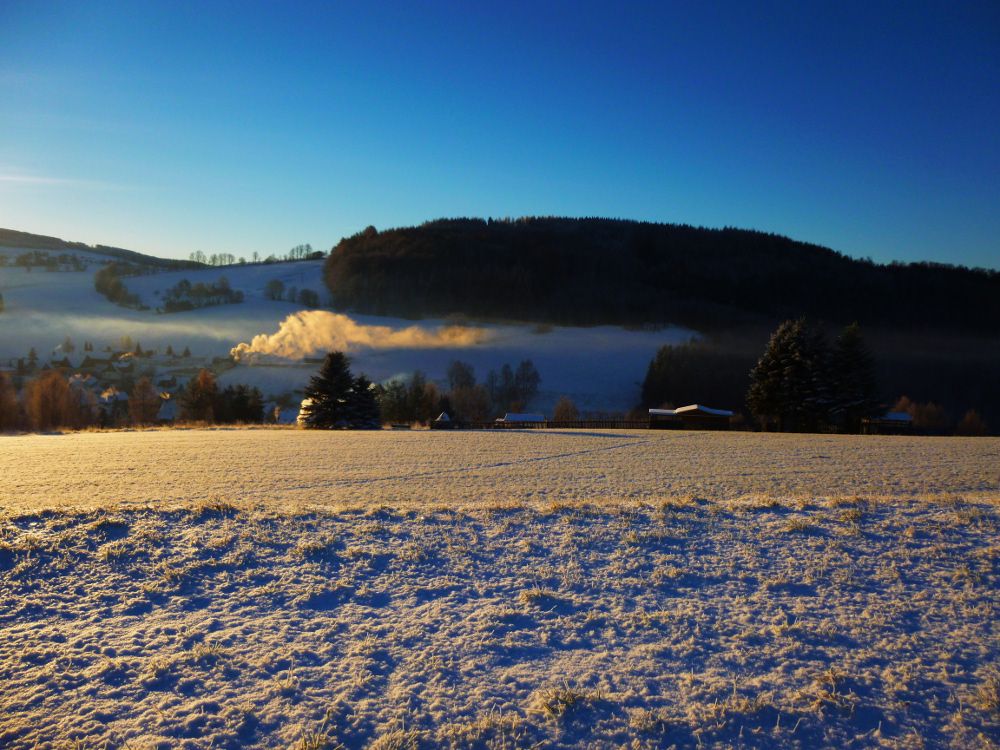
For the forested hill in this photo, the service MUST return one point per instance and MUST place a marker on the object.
(593, 271)
(29, 241)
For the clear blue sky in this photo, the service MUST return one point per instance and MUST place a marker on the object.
(239, 127)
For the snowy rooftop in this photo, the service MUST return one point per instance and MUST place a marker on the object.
(690, 409)
(519, 417)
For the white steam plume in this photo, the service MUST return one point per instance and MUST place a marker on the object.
(311, 331)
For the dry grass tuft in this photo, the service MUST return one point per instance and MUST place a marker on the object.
(987, 693)
(212, 508)
(398, 739)
(798, 525)
(556, 702)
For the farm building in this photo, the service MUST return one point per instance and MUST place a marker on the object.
(518, 417)
(890, 423)
(443, 422)
(691, 417)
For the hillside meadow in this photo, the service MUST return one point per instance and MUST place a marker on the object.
(283, 588)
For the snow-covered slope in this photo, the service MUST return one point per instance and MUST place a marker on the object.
(599, 367)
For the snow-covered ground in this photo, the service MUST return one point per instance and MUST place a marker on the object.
(280, 588)
(422, 468)
(599, 367)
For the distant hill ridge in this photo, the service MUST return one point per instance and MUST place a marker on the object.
(29, 241)
(608, 271)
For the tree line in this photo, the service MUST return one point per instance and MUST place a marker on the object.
(417, 400)
(51, 401)
(43, 259)
(337, 398)
(299, 252)
(802, 382)
(601, 271)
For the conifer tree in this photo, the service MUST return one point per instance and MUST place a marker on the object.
(854, 387)
(789, 385)
(363, 405)
(328, 394)
(199, 399)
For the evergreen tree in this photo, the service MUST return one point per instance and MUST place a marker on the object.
(393, 401)
(853, 383)
(1, 303)
(362, 406)
(789, 385)
(328, 393)
(255, 406)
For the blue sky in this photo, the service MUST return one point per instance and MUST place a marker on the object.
(241, 127)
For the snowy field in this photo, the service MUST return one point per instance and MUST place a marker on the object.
(280, 588)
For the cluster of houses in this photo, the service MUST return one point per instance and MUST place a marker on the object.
(105, 381)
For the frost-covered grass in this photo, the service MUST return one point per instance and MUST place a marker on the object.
(395, 590)
(461, 469)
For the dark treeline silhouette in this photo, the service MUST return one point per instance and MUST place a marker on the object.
(594, 271)
(944, 376)
(203, 401)
(417, 400)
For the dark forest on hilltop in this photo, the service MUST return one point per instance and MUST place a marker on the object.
(603, 271)
(932, 327)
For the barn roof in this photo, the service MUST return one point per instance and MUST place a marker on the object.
(519, 417)
(690, 409)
